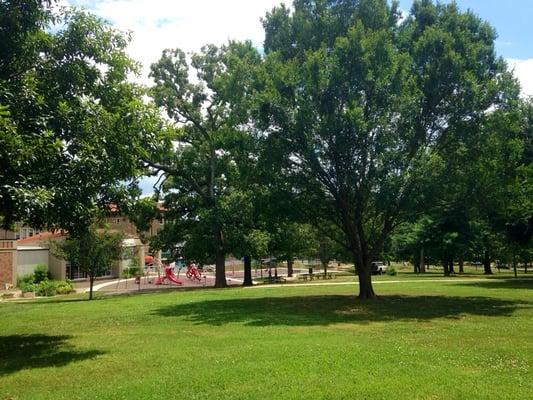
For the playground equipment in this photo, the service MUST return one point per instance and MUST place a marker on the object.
(193, 273)
(169, 275)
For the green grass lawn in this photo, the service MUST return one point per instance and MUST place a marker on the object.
(423, 340)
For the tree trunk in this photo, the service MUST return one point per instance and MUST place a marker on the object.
(290, 269)
(445, 266)
(220, 270)
(362, 261)
(514, 267)
(461, 265)
(247, 271)
(450, 269)
(220, 261)
(422, 261)
(366, 291)
(486, 263)
(416, 265)
(91, 284)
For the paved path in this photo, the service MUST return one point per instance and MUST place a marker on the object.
(122, 285)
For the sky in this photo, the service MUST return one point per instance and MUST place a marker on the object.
(189, 24)
(185, 24)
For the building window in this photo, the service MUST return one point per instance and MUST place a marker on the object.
(73, 272)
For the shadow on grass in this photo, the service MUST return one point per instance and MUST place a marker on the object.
(18, 352)
(326, 310)
(499, 283)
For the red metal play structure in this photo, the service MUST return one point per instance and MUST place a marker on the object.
(193, 273)
(169, 275)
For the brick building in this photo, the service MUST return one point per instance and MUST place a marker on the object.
(25, 248)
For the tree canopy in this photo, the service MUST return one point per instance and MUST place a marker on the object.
(366, 103)
(73, 125)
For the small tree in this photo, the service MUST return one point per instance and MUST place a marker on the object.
(93, 251)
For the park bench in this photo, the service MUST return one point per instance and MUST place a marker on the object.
(311, 277)
(275, 279)
(327, 275)
(306, 277)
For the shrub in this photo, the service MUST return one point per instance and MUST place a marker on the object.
(46, 288)
(52, 287)
(27, 287)
(41, 273)
(133, 269)
(25, 279)
(130, 272)
(64, 287)
(26, 283)
(391, 271)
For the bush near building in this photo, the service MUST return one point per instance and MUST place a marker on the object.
(39, 283)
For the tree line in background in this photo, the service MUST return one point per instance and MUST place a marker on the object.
(356, 128)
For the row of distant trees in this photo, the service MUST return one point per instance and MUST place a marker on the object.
(380, 133)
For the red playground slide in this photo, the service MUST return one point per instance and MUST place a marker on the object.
(170, 276)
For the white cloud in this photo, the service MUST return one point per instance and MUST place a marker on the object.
(190, 24)
(186, 24)
(523, 70)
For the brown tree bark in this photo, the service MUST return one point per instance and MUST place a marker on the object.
(248, 271)
(362, 260)
(461, 265)
(445, 266)
(91, 284)
(366, 291)
(290, 264)
(220, 261)
(220, 270)
(422, 261)
(486, 263)
(450, 267)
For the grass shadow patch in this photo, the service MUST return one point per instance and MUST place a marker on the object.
(332, 309)
(499, 283)
(18, 352)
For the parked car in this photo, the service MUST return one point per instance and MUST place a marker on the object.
(378, 267)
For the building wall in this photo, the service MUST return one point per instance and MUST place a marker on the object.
(22, 231)
(7, 262)
(57, 267)
(123, 224)
(11, 266)
(8, 258)
(28, 259)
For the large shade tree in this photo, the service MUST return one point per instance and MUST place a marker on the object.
(363, 101)
(72, 124)
(197, 155)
